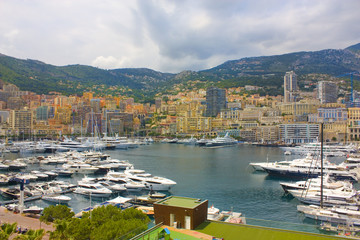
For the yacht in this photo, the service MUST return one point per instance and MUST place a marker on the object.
(63, 172)
(93, 190)
(122, 179)
(113, 186)
(74, 145)
(173, 140)
(308, 167)
(82, 168)
(3, 167)
(118, 143)
(15, 165)
(335, 150)
(315, 183)
(56, 198)
(190, 141)
(222, 141)
(342, 196)
(338, 215)
(151, 182)
(214, 214)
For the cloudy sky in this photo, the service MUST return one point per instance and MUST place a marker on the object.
(171, 36)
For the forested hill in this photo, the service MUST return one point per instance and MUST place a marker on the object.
(265, 71)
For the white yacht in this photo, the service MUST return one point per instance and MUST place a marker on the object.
(214, 214)
(222, 141)
(74, 145)
(82, 168)
(119, 143)
(338, 215)
(342, 196)
(315, 183)
(151, 182)
(335, 150)
(122, 179)
(113, 186)
(308, 167)
(190, 141)
(93, 190)
(56, 198)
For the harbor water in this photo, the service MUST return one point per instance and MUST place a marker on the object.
(220, 175)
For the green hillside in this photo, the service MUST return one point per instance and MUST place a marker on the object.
(141, 83)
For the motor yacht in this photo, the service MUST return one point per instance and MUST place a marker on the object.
(222, 141)
(56, 198)
(214, 214)
(342, 196)
(315, 183)
(82, 168)
(335, 150)
(202, 142)
(118, 143)
(93, 190)
(338, 215)
(308, 167)
(123, 179)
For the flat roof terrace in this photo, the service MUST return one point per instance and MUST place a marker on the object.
(182, 202)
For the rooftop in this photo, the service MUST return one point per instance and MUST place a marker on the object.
(231, 231)
(183, 202)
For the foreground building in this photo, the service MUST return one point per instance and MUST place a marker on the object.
(181, 212)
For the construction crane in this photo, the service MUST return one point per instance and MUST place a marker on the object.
(351, 74)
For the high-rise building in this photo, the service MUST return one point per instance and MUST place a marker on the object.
(290, 87)
(157, 104)
(21, 121)
(215, 101)
(327, 92)
(95, 105)
(42, 113)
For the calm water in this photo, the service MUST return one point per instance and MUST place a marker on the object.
(220, 175)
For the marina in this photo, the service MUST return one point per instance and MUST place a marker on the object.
(221, 175)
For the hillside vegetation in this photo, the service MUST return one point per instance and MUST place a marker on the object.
(142, 83)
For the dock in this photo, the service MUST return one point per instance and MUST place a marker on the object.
(28, 199)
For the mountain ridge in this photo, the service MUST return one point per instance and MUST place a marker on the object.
(40, 77)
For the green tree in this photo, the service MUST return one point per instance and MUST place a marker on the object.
(104, 223)
(52, 213)
(31, 235)
(60, 232)
(6, 230)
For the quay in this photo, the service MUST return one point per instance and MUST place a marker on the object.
(28, 199)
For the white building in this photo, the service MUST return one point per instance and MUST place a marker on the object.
(299, 133)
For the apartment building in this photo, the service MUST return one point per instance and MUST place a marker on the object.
(21, 121)
(299, 133)
(354, 124)
(290, 87)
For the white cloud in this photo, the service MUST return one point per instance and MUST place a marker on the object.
(172, 35)
(109, 62)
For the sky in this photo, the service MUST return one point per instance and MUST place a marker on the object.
(172, 36)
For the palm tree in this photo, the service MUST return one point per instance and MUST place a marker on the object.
(31, 235)
(6, 230)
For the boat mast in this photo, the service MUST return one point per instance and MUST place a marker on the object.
(321, 159)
